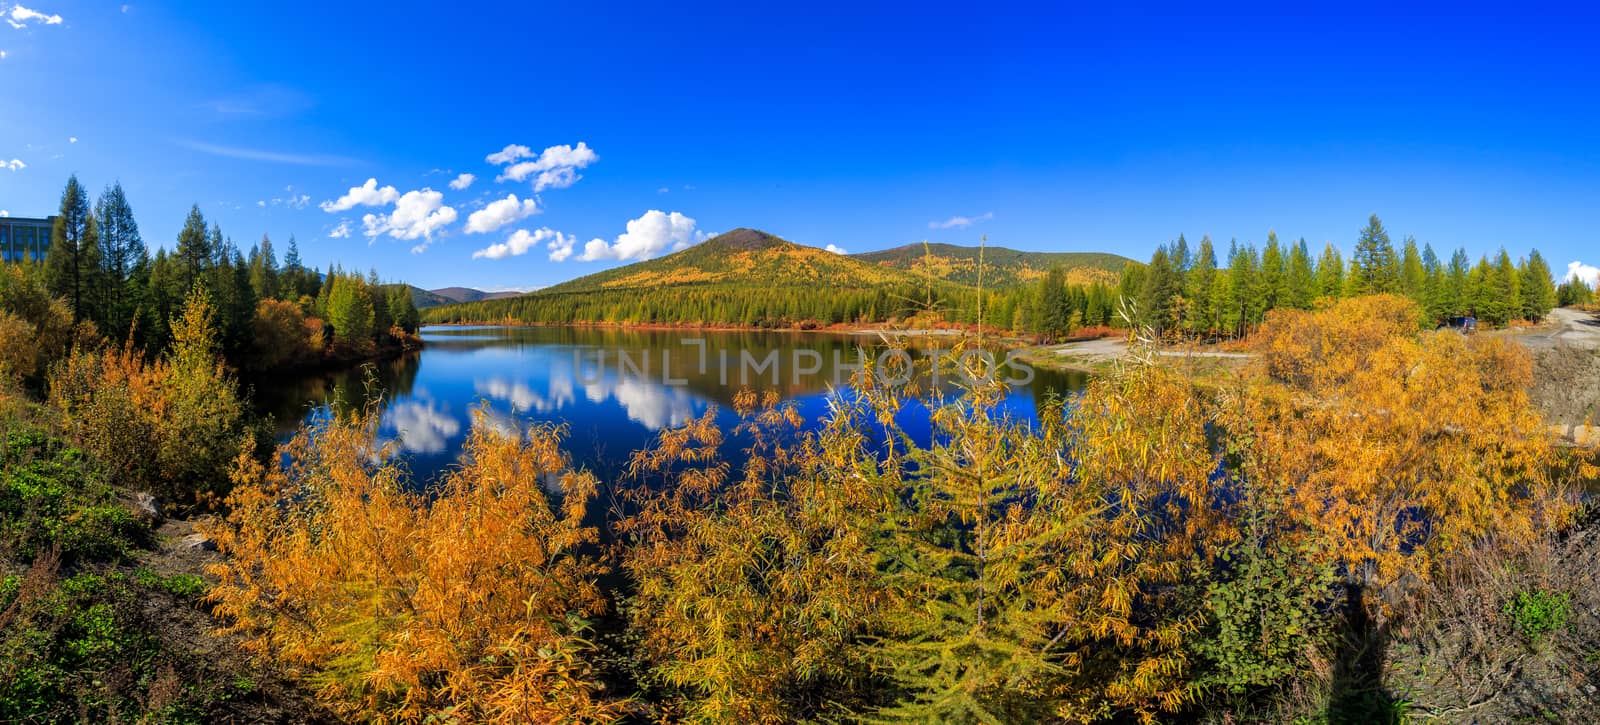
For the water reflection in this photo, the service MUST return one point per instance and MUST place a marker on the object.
(614, 389)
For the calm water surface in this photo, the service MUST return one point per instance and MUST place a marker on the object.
(615, 389)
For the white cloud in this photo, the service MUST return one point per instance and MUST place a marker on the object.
(557, 166)
(521, 241)
(648, 236)
(14, 164)
(463, 181)
(278, 157)
(499, 213)
(4, 213)
(20, 16)
(961, 221)
(342, 231)
(2, 55)
(1590, 275)
(72, 139)
(835, 249)
(510, 153)
(662, 190)
(367, 194)
(417, 215)
(422, 427)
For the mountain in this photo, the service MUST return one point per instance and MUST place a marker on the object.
(468, 294)
(746, 258)
(424, 299)
(1002, 267)
(744, 277)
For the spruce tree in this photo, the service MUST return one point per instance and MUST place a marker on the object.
(1202, 276)
(1302, 277)
(194, 256)
(1537, 288)
(1274, 275)
(264, 270)
(1330, 271)
(1375, 267)
(1413, 277)
(124, 263)
(72, 266)
(1159, 299)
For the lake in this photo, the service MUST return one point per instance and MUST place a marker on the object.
(614, 388)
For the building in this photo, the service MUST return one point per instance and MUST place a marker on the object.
(22, 238)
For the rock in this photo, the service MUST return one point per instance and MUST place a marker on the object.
(147, 507)
(198, 542)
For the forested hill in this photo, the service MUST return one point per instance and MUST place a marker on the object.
(742, 257)
(1002, 267)
(742, 277)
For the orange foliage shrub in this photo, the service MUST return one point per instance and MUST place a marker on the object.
(468, 605)
(1392, 448)
(168, 426)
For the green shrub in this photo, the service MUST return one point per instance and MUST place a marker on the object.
(52, 498)
(1537, 613)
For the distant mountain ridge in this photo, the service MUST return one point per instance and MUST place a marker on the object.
(1002, 267)
(747, 277)
(742, 257)
(451, 295)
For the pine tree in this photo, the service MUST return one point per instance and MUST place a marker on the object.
(264, 270)
(1413, 277)
(1180, 257)
(1198, 289)
(1375, 267)
(1158, 300)
(1458, 296)
(1274, 275)
(1538, 289)
(1052, 314)
(72, 266)
(1302, 277)
(1330, 272)
(125, 262)
(1433, 284)
(194, 256)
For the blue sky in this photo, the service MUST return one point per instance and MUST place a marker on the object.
(863, 126)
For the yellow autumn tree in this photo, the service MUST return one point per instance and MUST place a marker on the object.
(467, 604)
(1392, 447)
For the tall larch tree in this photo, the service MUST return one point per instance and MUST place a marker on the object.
(1202, 277)
(1330, 271)
(125, 263)
(72, 267)
(194, 256)
(264, 270)
(1538, 288)
(1302, 277)
(1162, 291)
(1413, 278)
(1274, 275)
(1375, 266)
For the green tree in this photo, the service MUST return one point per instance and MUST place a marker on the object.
(1413, 276)
(72, 267)
(1375, 267)
(350, 312)
(1302, 276)
(1538, 290)
(1162, 290)
(125, 263)
(1330, 271)
(194, 256)
(264, 270)
(1274, 275)
(1201, 319)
